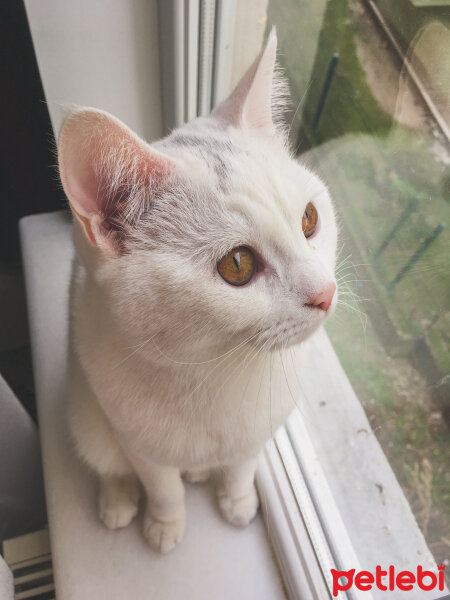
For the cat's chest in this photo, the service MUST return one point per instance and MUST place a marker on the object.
(192, 415)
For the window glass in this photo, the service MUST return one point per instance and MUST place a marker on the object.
(371, 113)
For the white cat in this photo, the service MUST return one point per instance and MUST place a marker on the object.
(205, 259)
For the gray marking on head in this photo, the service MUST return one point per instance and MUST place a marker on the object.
(211, 149)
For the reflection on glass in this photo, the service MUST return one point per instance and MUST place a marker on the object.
(373, 117)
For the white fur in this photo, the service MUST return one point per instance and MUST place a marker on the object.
(175, 370)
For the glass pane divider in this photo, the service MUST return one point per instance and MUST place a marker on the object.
(286, 530)
(315, 498)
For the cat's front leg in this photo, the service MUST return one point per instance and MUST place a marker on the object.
(165, 513)
(118, 500)
(198, 475)
(238, 500)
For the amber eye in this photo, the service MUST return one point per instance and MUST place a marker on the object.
(238, 266)
(309, 220)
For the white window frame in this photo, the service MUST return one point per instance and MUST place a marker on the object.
(196, 52)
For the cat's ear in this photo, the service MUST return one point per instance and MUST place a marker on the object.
(250, 104)
(106, 171)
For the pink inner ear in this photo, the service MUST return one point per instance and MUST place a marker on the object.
(83, 187)
(102, 164)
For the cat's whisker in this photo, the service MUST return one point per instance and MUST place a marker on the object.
(342, 261)
(286, 378)
(137, 349)
(197, 387)
(341, 281)
(298, 106)
(349, 265)
(301, 390)
(348, 291)
(240, 366)
(195, 336)
(362, 316)
(351, 306)
(204, 362)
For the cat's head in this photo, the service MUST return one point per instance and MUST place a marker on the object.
(210, 237)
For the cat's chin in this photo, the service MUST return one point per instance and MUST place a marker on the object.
(279, 342)
(294, 340)
(291, 333)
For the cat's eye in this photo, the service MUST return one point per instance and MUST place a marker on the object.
(309, 220)
(238, 266)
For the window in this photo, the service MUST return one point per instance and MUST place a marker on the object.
(371, 114)
(369, 84)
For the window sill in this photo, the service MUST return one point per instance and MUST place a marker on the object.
(214, 560)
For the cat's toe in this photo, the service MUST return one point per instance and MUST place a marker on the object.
(118, 501)
(161, 536)
(239, 512)
(118, 515)
(197, 475)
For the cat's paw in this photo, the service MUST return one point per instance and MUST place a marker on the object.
(239, 512)
(119, 513)
(197, 475)
(118, 503)
(116, 517)
(161, 536)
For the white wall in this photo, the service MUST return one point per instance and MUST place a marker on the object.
(101, 53)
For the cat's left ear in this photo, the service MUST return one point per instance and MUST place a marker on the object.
(108, 174)
(250, 104)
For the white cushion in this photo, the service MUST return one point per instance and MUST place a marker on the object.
(22, 506)
(6, 582)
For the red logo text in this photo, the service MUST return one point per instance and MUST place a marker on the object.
(388, 579)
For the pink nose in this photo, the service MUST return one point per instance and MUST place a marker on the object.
(324, 298)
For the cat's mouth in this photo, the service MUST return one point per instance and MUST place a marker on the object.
(289, 333)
